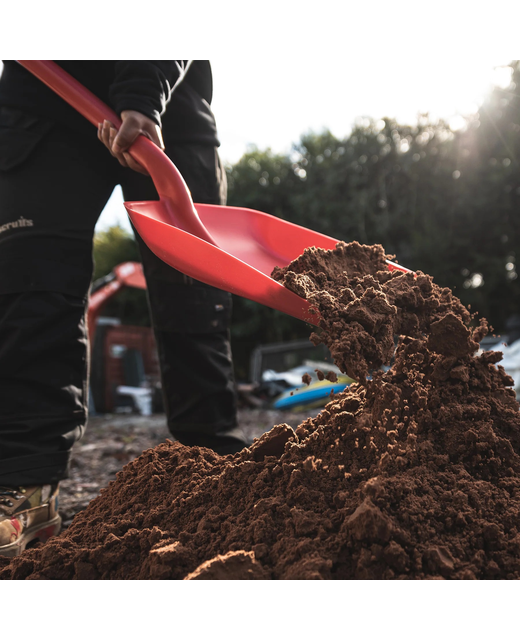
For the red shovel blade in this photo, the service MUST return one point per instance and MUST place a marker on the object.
(262, 240)
(250, 244)
(208, 263)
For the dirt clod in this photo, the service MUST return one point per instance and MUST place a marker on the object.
(235, 565)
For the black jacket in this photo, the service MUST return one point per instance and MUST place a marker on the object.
(147, 86)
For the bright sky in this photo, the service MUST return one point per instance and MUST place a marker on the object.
(271, 103)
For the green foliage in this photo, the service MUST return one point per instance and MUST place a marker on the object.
(444, 202)
(112, 247)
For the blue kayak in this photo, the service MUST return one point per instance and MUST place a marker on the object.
(316, 394)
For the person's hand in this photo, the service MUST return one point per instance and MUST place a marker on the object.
(118, 142)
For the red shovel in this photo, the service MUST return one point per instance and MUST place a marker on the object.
(231, 248)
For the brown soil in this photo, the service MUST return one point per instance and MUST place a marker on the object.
(330, 376)
(113, 440)
(410, 473)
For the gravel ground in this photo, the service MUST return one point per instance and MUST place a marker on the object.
(111, 441)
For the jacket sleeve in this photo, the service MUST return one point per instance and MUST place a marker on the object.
(144, 85)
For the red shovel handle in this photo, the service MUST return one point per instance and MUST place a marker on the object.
(168, 181)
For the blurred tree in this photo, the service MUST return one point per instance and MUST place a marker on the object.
(444, 202)
(112, 247)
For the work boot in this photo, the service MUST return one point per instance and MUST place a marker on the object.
(27, 514)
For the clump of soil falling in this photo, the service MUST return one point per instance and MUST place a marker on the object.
(413, 472)
(330, 376)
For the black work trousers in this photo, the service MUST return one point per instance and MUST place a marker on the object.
(54, 183)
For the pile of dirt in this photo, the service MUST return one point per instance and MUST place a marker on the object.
(413, 472)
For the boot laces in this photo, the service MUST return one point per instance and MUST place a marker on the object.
(6, 495)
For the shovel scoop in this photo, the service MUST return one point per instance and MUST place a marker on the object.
(231, 248)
